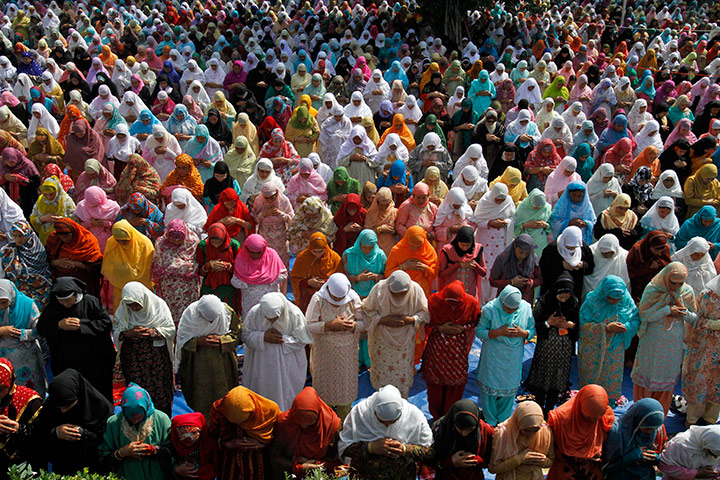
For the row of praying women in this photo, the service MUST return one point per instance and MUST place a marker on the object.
(185, 179)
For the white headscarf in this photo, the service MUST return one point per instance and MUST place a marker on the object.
(411, 111)
(121, 150)
(290, 319)
(700, 272)
(487, 210)
(447, 209)
(10, 213)
(653, 221)
(474, 151)
(401, 150)
(201, 98)
(207, 316)
(193, 214)
(253, 185)
(121, 76)
(137, 105)
(46, 120)
(570, 237)
(373, 101)
(635, 118)
(596, 187)
(338, 286)
(154, 314)
(687, 449)
(524, 93)
(362, 424)
(455, 101)
(192, 72)
(574, 122)
(661, 191)
(644, 139)
(614, 265)
(478, 185)
(352, 111)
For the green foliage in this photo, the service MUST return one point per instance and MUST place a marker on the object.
(318, 474)
(24, 472)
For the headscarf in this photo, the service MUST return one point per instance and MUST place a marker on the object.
(193, 214)
(463, 414)
(262, 271)
(131, 261)
(27, 259)
(78, 149)
(206, 316)
(576, 434)
(255, 414)
(192, 181)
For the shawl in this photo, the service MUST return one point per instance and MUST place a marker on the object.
(190, 181)
(206, 316)
(310, 441)
(575, 434)
(206, 150)
(615, 265)
(204, 446)
(82, 144)
(256, 415)
(52, 169)
(314, 185)
(285, 149)
(62, 205)
(128, 262)
(171, 259)
(289, 318)
(307, 265)
(10, 213)
(240, 159)
(405, 250)
(533, 208)
(689, 448)
(137, 175)
(255, 182)
(121, 149)
(185, 125)
(565, 210)
(244, 127)
(15, 162)
(557, 89)
(363, 425)
(20, 312)
(596, 186)
(536, 159)
(658, 294)
(653, 221)
(685, 125)
(507, 262)
(448, 208)
(649, 136)
(30, 258)
(193, 213)
(261, 271)
(507, 441)
(399, 128)
(610, 218)
(356, 261)
(674, 191)
(596, 309)
(558, 181)
(82, 247)
(72, 114)
(699, 271)
(96, 205)
(585, 162)
(154, 313)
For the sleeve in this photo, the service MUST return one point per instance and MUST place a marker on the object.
(100, 324)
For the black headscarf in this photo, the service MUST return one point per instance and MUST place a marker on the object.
(220, 130)
(66, 286)
(92, 409)
(464, 235)
(701, 125)
(213, 188)
(464, 414)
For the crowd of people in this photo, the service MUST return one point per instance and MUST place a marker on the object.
(337, 189)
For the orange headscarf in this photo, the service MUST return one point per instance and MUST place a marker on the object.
(253, 413)
(576, 435)
(398, 126)
(72, 113)
(192, 181)
(643, 160)
(576, 44)
(107, 57)
(415, 235)
(312, 441)
(307, 265)
(82, 247)
(427, 74)
(475, 70)
(538, 49)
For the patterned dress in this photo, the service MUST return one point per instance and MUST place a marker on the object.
(597, 363)
(150, 367)
(25, 354)
(333, 359)
(274, 231)
(701, 368)
(494, 242)
(251, 294)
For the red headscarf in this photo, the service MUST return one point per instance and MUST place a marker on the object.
(465, 313)
(345, 239)
(83, 247)
(53, 169)
(312, 441)
(205, 447)
(262, 271)
(224, 253)
(616, 157)
(240, 211)
(21, 396)
(265, 129)
(576, 435)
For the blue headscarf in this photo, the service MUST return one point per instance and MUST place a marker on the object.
(641, 88)
(172, 74)
(581, 138)
(357, 262)
(596, 309)
(21, 306)
(33, 68)
(488, 49)
(610, 136)
(565, 210)
(185, 126)
(693, 227)
(307, 61)
(625, 440)
(494, 312)
(135, 402)
(193, 147)
(139, 127)
(397, 174)
(395, 72)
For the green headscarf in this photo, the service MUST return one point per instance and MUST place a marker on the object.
(350, 186)
(557, 89)
(430, 125)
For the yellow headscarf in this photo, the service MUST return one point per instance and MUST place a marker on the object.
(128, 262)
(510, 176)
(372, 132)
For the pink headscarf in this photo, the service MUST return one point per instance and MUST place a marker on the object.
(97, 205)
(137, 77)
(7, 98)
(361, 63)
(263, 271)
(314, 185)
(675, 134)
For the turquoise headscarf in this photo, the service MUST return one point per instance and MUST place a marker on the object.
(135, 402)
(498, 317)
(584, 168)
(596, 309)
(20, 306)
(357, 262)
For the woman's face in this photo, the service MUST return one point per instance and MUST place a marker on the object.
(213, 119)
(576, 196)
(352, 210)
(318, 252)
(499, 200)
(50, 196)
(200, 139)
(663, 212)
(263, 174)
(568, 173)
(520, 253)
(697, 256)
(215, 241)
(618, 127)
